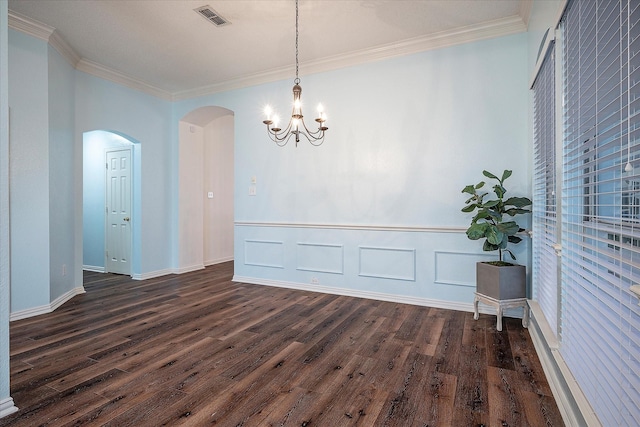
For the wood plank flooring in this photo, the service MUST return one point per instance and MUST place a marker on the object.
(198, 349)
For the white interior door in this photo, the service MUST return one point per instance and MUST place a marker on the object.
(118, 212)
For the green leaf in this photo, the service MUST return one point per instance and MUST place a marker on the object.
(469, 189)
(514, 239)
(518, 202)
(514, 212)
(494, 235)
(506, 174)
(499, 190)
(489, 175)
(509, 228)
(489, 247)
(481, 215)
(491, 203)
(476, 231)
(469, 208)
(479, 185)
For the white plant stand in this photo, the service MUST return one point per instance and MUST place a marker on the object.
(500, 305)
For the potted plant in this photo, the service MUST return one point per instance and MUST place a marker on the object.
(493, 222)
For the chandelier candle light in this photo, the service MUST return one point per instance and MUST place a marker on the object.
(296, 124)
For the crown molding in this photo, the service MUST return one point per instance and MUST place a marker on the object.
(63, 48)
(525, 11)
(487, 30)
(114, 76)
(29, 26)
(43, 32)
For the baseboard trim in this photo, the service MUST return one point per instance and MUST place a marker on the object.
(188, 269)
(7, 407)
(47, 308)
(94, 268)
(152, 274)
(218, 261)
(572, 403)
(402, 299)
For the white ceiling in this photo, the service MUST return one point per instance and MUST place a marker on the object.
(170, 48)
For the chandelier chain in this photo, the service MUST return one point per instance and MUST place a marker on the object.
(297, 80)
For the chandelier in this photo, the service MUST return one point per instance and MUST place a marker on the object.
(296, 124)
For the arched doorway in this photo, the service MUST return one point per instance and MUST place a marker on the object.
(106, 249)
(205, 188)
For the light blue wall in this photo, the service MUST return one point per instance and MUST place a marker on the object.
(405, 136)
(63, 275)
(379, 201)
(102, 105)
(29, 171)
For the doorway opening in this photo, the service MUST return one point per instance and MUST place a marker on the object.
(111, 202)
(205, 188)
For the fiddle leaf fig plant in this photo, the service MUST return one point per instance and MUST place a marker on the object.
(490, 220)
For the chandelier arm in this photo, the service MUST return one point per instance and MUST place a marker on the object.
(280, 136)
(312, 133)
(280, 141)
(311, 136)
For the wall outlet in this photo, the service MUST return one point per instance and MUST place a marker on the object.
(315, 281)
(252, 190)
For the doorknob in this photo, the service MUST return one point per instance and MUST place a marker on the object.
(126, 219)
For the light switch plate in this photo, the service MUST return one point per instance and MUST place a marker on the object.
(252, 190)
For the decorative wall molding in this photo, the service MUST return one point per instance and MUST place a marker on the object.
(264, 253)
(63, 48)
(47, 308)
(487, 30)
(94, 268)
(387, 263)
(152, 274)
(320, 257)
(122, 79)
(525, 11)
(572, 403)
(454, 274)
(29, 26)
(7, 407)
(497, 28)
(416, 229)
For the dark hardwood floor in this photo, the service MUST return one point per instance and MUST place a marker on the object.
(198, 349)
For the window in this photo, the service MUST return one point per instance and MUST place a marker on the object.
(601, 204)
(545, 261)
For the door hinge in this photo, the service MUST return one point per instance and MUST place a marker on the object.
(106, 166)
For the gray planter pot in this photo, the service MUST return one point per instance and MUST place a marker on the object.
(501, 283)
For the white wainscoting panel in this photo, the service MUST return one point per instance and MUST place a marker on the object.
(458, 268)
(320, 257)
(264, 253)
(388, 263)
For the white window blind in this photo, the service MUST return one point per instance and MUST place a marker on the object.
(601, 205)
(545, 261)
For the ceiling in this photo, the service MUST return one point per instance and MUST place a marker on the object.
(166, 47)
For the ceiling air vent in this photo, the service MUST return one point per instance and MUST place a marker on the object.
(212, 16)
